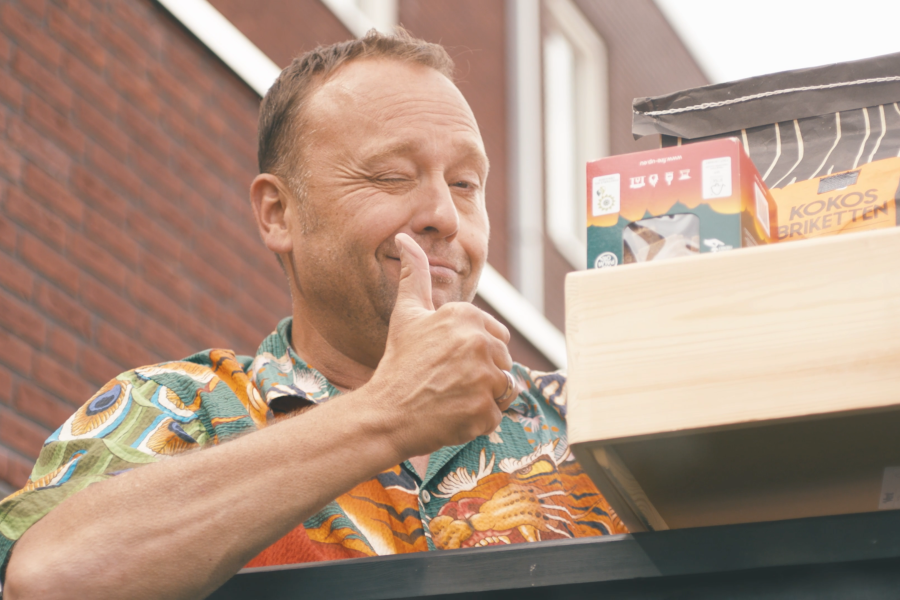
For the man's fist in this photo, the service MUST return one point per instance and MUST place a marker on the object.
(442, 369)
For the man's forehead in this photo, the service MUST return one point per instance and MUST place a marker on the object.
(373, 84)
(395, 99)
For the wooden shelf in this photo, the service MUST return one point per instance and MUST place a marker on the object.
(751, 385)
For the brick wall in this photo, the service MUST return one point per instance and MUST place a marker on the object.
(126, 236)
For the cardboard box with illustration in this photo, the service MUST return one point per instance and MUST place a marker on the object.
(672, 202)
(826, 139)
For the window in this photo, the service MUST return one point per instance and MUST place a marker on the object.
(575, 122)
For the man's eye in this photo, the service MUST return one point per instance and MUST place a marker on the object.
(392, 179)
(465, 185)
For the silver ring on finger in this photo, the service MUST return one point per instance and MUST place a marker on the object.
(510, 387)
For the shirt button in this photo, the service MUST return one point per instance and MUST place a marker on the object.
(426, 497)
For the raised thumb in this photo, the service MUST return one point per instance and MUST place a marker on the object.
(414, 290)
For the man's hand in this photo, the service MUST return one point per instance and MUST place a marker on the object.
(442, 369)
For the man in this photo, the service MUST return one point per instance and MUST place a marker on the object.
(407, 430)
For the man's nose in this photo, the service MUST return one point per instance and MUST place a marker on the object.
(435, 211)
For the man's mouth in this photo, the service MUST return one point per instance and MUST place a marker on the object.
(441, 270)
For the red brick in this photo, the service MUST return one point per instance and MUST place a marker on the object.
(6, 385)
(163, 340)
(217, 284)
(39, 149)
(218, 252)
(96, 368)
(176, 125)
(90, 85)
(15, 353)
(213, 122)
(269, 267)
(53, 124)
(246, 243)
(147, 134)
(112, 237)
(22, 435)
(37, 7)
(123, 349)
(8, 235)
(10, 163)
(44, 408)
(274, 296)
(76, 38)
(5, 50)
(103, 130)
(14, 469)
(41, 80)
(11, 90)
(97, 261)
(202, 334)
(255, 313)
(175, 92)
(21, 320)
(163, 275)
(96, 193)
(195, 205)
(135, 22)
(182, 61)
(80, 10)
(212, 154)
(63, 309)
(121, 44)
(63, 345)
(155, 301)
(197, 175)
(243, 113)
(243, 338)
(114, 170)
(30, 36)
(53, 195)
(36, 218)
(63, 382)
(16, 278)
(155, 173)
(167, 211)
(134, 88)
(108, 303)
(152, 236)
(49, 263)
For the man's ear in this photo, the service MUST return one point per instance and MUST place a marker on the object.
(272, 208)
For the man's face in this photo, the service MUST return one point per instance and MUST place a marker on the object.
(390, 147)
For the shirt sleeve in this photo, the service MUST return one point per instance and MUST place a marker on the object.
(129, 422)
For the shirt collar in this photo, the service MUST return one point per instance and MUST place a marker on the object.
(277, 371)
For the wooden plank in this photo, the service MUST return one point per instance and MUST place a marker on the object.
(709, 562)
(774, 332)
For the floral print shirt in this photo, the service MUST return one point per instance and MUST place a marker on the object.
(518, 484)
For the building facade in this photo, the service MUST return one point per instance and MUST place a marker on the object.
(127, 146)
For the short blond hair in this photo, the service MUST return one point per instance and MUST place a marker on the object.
(281, 117)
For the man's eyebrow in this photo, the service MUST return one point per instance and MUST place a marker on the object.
(392, 151)
(472, 150)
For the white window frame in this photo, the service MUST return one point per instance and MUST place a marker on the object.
(359, 16)
(565, 159)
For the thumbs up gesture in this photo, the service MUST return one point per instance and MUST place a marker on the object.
(442, 373)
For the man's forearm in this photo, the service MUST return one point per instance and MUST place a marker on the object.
(181, 527)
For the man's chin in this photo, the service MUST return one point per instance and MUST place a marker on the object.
(440, 297)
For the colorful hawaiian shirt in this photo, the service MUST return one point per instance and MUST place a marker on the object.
(519, 484)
